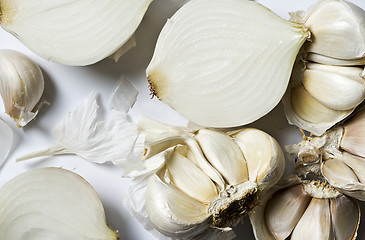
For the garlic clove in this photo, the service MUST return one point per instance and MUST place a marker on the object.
(334, 61)
(261, 152)
(332, 88)
(357, 164)
(338, 173)
(51, 203)
(6, 141)
(312, 111)
(64, 31)
(285, 209)
(224, 63)
(172, 212)
(315, 222)
(21, 86)
(337, 28)
(224, 155)
(190, 179)
(353, 139)
(345, 214)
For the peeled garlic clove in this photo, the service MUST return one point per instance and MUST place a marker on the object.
(262, 153)
(353, 139)
(248, 57)
(172, 212)
(224, 154)
(345, 214)
(338, 173)
(332, 88)
(190, 179)
(6, 141)
(315, 222)
(337, 28)
(309, 109)
(285, 209)
(21, 86)
(51, 203)
(334, 61)
(64, 31)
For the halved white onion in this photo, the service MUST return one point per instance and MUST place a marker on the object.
(73, 32)
(51, 203)
(224, 63)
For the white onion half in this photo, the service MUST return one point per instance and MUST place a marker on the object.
(224, 63)
(72, 32)
(51, 203)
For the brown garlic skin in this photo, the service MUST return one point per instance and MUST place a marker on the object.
(297, 209)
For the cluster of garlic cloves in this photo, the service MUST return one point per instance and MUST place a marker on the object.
(330, 82)
(21, 86)
(306, 210)
(206, 180)
(338, 156)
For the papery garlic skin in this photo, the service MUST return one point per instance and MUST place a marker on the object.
(224, 63)
(21, 86)
(51, 203)
(337, 155)
(73, 32)
(296, 209)
(200, 183)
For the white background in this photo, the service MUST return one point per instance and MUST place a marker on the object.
(66, 87)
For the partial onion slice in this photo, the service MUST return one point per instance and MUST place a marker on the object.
(224, 63)
(51, 203)
(73, 32)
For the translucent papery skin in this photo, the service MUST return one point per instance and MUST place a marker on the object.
(51, 203)
(224, 63)
(73, 32)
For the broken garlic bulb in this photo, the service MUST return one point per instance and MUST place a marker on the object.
(51, 203)
(224, 63)
(21, 86)
(306, 210)
(338, 155)
(204, 181)
(323, 95)
(338, 32)
(73, 33)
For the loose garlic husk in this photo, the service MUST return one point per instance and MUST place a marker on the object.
(21, 86)
(323, 95)
(338, 32)
(338, 155)
(206, 180)
(305, 210)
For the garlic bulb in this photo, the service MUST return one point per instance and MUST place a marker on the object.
(306, 210)
(51, 203)
(323, 95)
(338, 30)
(203, 182)
(21, 86)
(73, 32)
(338, 156)
(327, 83)
(224, 63)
